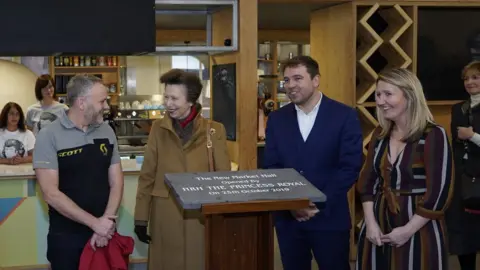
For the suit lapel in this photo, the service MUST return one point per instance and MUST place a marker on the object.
(321, 121)
(294, 129)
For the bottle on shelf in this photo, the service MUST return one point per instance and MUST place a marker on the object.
(113, 88)
(85, 61)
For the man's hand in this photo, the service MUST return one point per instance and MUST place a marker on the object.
(306, 213)
(105, 226)
(465, 133)
(98, 241)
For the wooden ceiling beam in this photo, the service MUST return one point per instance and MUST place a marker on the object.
(361, 2)
(302, 1)
(297, 36)
(169, 37)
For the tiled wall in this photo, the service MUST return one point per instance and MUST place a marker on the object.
(24, 223)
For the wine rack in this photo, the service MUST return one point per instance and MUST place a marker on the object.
(385, 39)
(386, 35)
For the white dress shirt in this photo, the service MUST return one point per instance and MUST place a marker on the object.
(306, 121)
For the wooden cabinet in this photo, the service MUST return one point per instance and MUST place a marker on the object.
(109, 70)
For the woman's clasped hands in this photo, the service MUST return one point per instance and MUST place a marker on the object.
(396, 238)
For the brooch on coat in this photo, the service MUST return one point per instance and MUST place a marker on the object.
(209, 140)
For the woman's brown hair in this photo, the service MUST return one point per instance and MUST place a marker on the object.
(189, 80)
(41, 83)
(4, 116)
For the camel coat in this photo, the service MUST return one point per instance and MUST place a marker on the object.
(177, 235)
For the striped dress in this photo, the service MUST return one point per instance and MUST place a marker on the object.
(420, 183)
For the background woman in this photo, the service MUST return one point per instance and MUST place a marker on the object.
(177, 143)
(463, 216)
(16, 142)
(405, 184)
(46, 110)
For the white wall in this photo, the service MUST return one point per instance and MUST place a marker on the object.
(17, 84)
(146, 73)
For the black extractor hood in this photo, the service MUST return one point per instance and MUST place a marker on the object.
(86, 27)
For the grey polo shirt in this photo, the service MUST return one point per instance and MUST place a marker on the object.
(82, 160)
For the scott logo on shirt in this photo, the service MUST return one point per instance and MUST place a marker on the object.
(104, 149)
(70, 152)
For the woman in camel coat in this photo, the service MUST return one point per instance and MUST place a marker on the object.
(176, 144)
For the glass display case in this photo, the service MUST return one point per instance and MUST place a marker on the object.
(132, 119)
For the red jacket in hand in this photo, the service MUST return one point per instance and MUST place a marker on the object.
(112, 257)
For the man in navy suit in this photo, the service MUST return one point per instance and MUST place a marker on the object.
(321, 139)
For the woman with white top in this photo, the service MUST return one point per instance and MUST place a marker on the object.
(48, 108)
(16, 142)
(463, 215)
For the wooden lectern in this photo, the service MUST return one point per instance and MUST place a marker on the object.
(239, 236)
(237, 208)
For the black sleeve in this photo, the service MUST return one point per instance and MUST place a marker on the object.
(454, 216)
(458, 120)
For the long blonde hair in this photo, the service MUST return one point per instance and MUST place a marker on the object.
(418, 113)
(474, 65)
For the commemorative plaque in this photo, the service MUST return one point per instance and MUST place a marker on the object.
(196, 189)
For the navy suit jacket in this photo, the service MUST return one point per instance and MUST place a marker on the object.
(330, 158)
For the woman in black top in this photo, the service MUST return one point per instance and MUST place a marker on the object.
(463, 216)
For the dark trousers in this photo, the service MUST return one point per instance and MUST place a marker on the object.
(467, 261)
(330, 248)
(64, 250)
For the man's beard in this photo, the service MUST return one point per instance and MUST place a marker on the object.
(94, 117)
(304, 100)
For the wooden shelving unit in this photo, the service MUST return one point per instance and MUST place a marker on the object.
(267, 83)
(110, 75)
(273, 78)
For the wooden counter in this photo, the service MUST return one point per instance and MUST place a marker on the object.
(24, 217)
(25, 171)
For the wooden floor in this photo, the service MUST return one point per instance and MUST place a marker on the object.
(453, 262)
(453, 265)
(278, 264)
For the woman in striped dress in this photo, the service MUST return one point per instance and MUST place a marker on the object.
(406, 182)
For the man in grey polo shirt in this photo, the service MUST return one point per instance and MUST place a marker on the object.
(78, 167)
